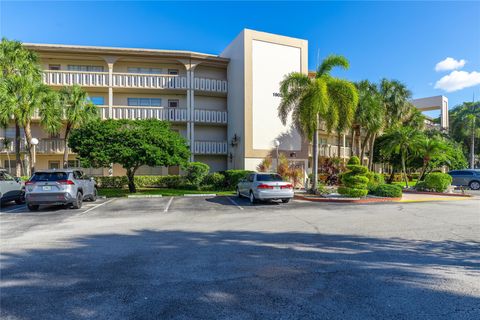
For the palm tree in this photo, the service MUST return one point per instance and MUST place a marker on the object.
(313, 100)
(370, 116)
(16, 63)
(396, 100)
(466, 124)
(77, 110)
(430, 148)
(401, 141)
(23, 96)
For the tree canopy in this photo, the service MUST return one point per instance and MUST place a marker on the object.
(130, 143)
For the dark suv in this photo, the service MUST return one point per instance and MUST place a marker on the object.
(466, 177)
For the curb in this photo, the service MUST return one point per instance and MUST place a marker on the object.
(438, 193)
(368, 200)
(200, 195)
(144, 196)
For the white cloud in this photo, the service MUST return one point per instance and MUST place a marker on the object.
(450, 64)
(457, 80)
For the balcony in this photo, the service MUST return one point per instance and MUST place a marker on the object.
(148, 81)
(45, 146)
(165, 114)
(68, 78)
(331, 151)
(131, 80)
(210, 147)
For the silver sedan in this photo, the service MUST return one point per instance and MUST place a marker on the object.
(265, 186)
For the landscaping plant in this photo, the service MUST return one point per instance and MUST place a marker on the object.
(387, 190)
(355, 181)
(437, 181)
(195, 172)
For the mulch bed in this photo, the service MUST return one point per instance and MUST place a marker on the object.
(345, 200)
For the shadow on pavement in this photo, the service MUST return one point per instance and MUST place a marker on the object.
(240, 275)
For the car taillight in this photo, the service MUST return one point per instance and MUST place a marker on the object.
(264, 186)
(29, 183)
(65, 182)
(287, 186)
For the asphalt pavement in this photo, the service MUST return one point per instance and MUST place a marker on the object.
(223, 258)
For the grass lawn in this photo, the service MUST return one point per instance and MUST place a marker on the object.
(402, 183)
(109, 193)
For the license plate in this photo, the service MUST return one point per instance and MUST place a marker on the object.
(276, 188)
(47, 188)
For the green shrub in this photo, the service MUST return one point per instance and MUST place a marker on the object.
(233, 176)
(355, 180)
(140, 181)
(195, 172)
(438, 181)
(376, 178)
(117, 182)
(421, 186)
(214, 180)
(388, 190)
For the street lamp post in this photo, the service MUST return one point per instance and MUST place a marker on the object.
(34, 143)
(276, 143)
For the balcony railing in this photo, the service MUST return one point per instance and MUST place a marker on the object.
(166, 114)
(150, 81)
(210, 147)
(331, 151)
(45, 146)
(131, 80)
(68, 78)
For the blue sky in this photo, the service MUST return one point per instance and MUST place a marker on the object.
(401, 40)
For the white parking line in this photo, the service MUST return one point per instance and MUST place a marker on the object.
(235, 203)
(168, 204)
(101, 204)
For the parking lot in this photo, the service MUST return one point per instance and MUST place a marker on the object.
(223, 258)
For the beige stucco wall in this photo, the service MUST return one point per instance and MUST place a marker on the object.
(121, 99)
(210, 133)
(210, 103)
(216, 163)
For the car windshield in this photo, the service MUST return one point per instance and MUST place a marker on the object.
(269, 177)
(49, 176)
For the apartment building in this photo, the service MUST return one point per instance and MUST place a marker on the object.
(225, 105)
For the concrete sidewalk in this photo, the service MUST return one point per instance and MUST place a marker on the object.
(413, 197)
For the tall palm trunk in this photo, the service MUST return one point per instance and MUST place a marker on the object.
(65, 147)
(18, 161)
(472, 146)
(339, 147)
(352, 141)
(315, 158)
(370, 155)
(364, 146)
(28, 137)
(404, 170)
(359, 142)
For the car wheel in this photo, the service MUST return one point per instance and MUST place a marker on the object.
(285, 200)
(78, 201)
(474, 185)
(238, 193)
(33, 207)
(252, 198)
(93, 198)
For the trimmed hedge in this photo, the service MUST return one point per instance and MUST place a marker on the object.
(195, 172)
(438, 181)
(233, 176)
(387, 190)
(119, 182)
(214, 180)
(355, 180)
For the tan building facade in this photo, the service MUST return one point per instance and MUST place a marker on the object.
(225, 105)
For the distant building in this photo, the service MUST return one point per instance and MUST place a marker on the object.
(434, 103)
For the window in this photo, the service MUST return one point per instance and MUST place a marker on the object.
(250, 178)
(145, 102)
(53, 164)
(98, 101)
(144, 70)
(173, 103)
(85, 68)
(465, 173)
(269, 177)
(49, 176)
(53, 67)
(173, 71)
(73, 163)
